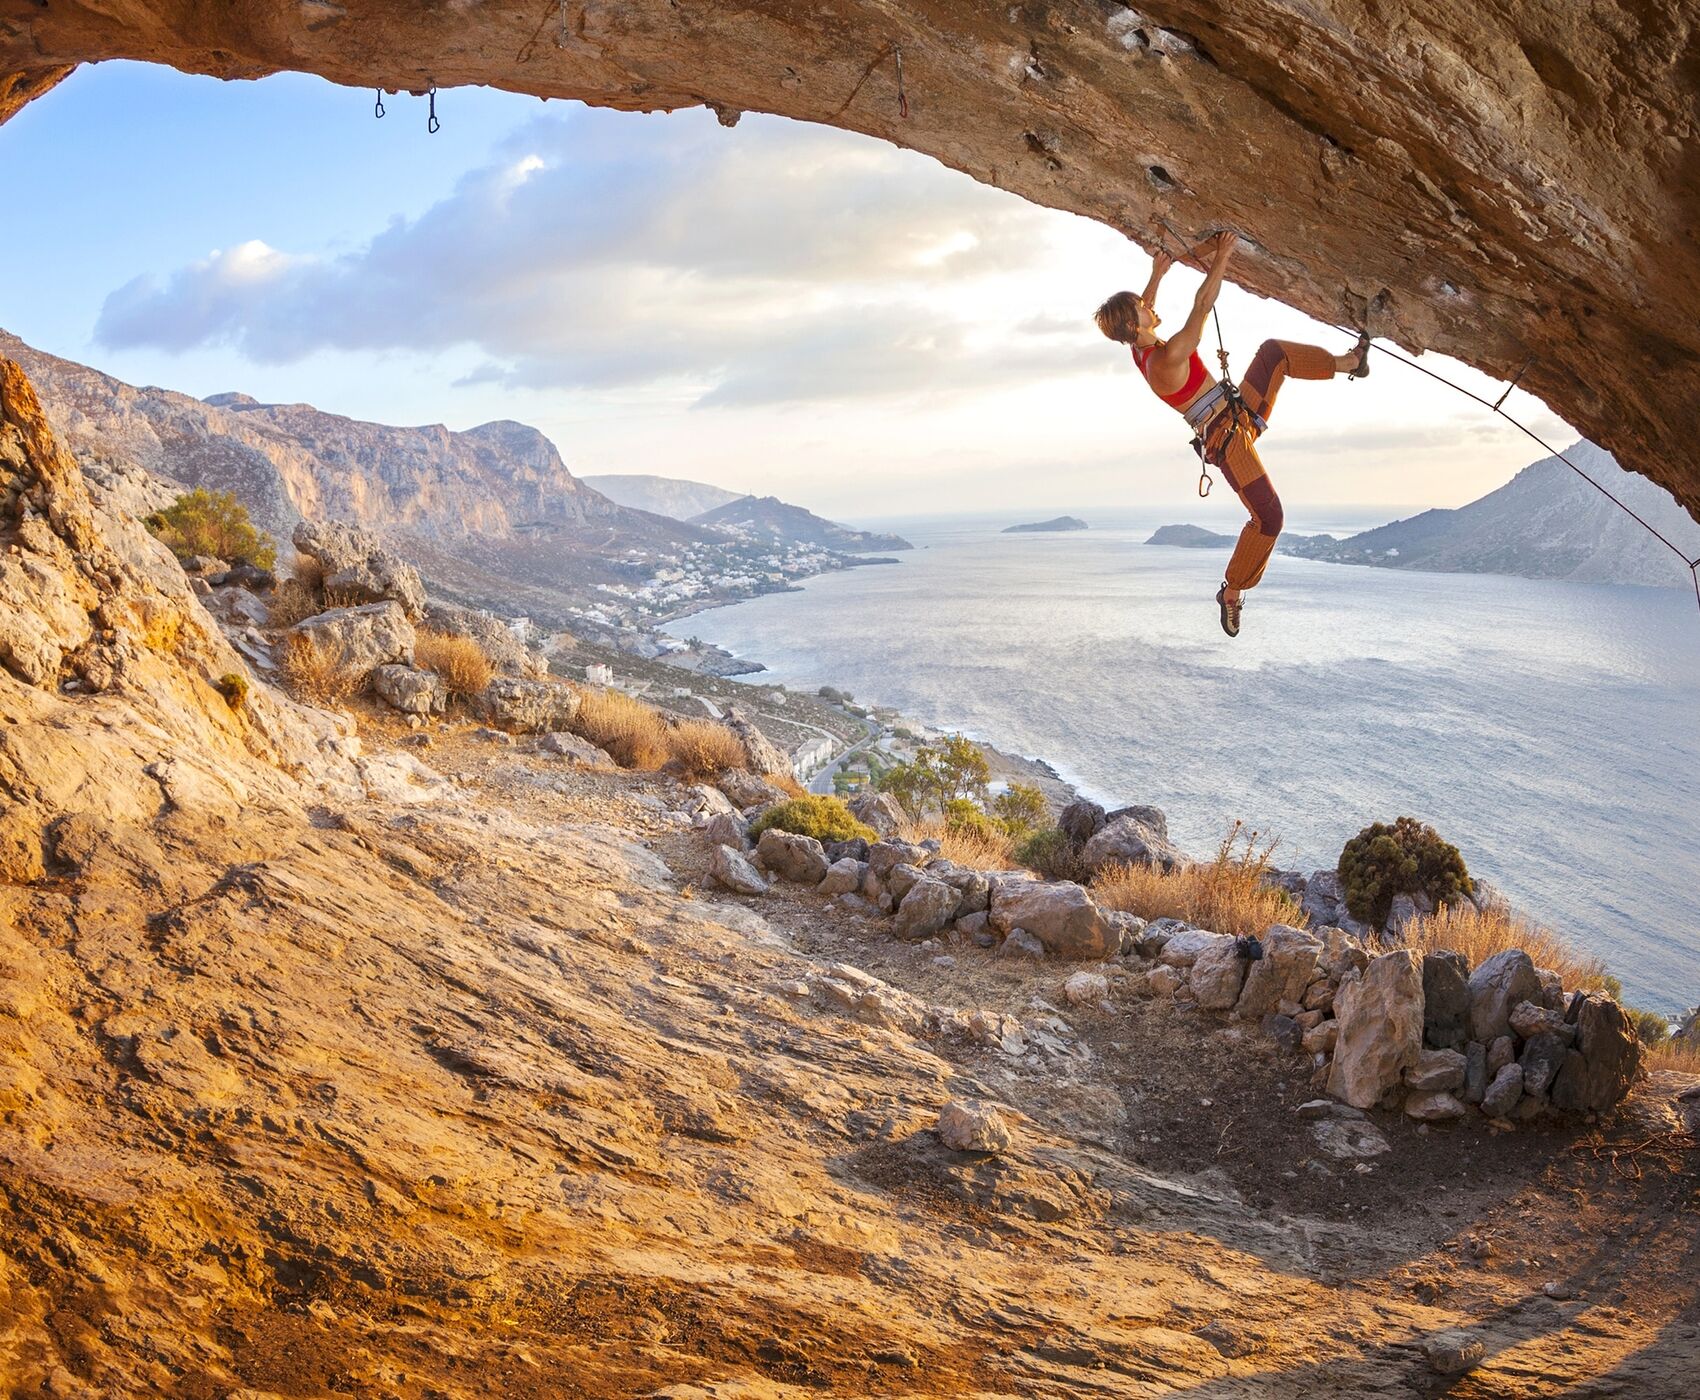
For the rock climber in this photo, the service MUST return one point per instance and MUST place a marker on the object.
(1227, 421)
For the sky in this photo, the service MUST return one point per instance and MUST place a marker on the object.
(775, 308)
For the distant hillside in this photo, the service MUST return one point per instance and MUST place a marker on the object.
(769, 518)
(671, 496)
(492, 514)
(1062, 522)
(1190, 537)
(1546, 522)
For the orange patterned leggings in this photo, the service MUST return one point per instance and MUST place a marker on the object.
(1233, 451)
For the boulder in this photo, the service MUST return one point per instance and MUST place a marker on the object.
(507, 653)
(1288, 1034)
(1323, 901)
(1502, 1052)
(1131, 928)
(521, 706)
(1598, 1073)
(731, 869)
(976, 926)
(883, 856)
(972, 885)
(1349, 1139)
(1183, 946)
(357, 566)
(1153, 817)
(1080, 821)
(1283, 974)
(1436, 1107)
(357, 639)
(580, 752)
(1495, 988)
(799, 859)
(1321, 1039)
(1503, 1092)
(1437, 1071)
(1475, 1071)
(1341, 953)
(765, 755)
(410, 690)
(842, 877)
(1060, 915)
(1529, 1020)
(1541, 1060)
(1130, 840)
(1453, 1352)
(1552, 989)
(1446, 1000)
(1086, 988)
(855, 849)
(748, 789)
(879, 810)
(726, 829)
(966, 1125)
(902, 878)
(1402, 912)
(1164, 981)
(927, 907)
(1380, 1012)
(1019, 943)
(1218, 974)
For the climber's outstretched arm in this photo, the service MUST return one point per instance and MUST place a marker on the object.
(1161, 262)
(1182, 344)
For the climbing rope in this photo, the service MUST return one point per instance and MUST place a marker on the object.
(1692, 565)
(895, 53)
(1496, 406)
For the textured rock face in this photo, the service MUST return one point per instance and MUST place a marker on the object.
(1061, 916)
(1381, 1028)
(526, 707)
(93, 604)
(358, 567)
(377, 634)
(1504, 182)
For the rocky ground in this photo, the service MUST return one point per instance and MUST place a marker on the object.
(489, 1093)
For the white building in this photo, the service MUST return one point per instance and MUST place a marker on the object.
(599, 675)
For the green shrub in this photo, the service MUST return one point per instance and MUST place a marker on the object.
(962, 815)
(233, 688)
(1052, 854)
(215, 523)
(824, 818)
(1408, 857)
(1651, 1029)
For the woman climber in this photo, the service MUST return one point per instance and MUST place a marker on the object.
(1227, 421)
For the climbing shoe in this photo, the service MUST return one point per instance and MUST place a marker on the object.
(1230, 611)
(1249, 948)
(1362, 347)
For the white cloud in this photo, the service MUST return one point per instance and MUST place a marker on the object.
(784, 264)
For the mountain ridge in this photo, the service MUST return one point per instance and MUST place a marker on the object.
(678, 498)
(771, 518)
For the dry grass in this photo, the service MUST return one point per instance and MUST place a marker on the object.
(309, 573)
(978, 850)
(1683, 1056)
(291, 601)
(1226, 895)
(1461, 928)
(315, 675)
(344, 598)
(783, 781)
(634, 734)
(703, 748)
(460, 661)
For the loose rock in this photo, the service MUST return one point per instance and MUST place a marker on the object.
(969, 1126)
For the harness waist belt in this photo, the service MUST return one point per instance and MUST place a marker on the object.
(1205, 409)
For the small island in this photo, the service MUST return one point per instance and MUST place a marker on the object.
(1190, 537)
(1062, 522)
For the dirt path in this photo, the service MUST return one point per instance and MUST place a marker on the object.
(491, 1096)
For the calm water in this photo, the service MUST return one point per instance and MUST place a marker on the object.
(1549, 729)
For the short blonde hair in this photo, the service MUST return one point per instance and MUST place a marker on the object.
(1118, 317)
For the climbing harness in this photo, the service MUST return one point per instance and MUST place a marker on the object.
(378, 106)
(1238, 406)
(432, 125)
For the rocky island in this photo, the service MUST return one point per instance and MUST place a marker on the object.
(1061, 522)
(1190, 537)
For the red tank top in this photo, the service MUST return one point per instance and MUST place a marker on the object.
(1195, 377)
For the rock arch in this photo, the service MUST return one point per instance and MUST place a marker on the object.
(1503, 182)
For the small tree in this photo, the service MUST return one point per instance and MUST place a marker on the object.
(952, 771)
(215, 523)
(1020, 810)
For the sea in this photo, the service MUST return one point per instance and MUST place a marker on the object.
(1550, 730)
